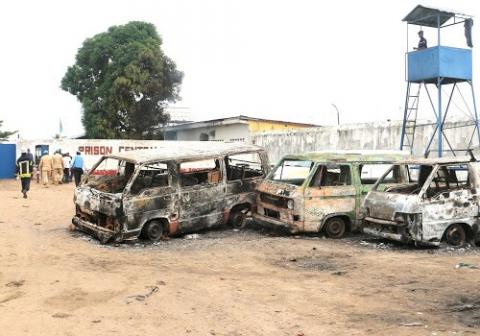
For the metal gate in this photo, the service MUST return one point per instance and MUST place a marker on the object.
(7, 160)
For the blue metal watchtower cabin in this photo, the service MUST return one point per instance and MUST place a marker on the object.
(438, 67)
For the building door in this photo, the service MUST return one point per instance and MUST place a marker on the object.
(7, 161)
(39, 150)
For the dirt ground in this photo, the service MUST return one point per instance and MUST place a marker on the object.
(248, 282)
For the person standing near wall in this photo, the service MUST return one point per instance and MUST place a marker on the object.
(35, 165)
(45, 167)
(29, 154)
(24, 171)
(77, 167)
(57, 162)
(67, 161)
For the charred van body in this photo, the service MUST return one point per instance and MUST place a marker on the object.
(178, 188)
(438, 202)
(322, 191)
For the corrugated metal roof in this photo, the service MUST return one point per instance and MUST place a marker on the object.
(229, 121)
(426, 16)
(181, 150)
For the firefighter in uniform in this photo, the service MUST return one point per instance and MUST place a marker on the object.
(57, 162)
(45, 167)
(24, 171)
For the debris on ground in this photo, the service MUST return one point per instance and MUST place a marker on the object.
(465, 265)
(18, 283)
(11, 297)
(316, 263)
(466, 310)
(412, 324)
(376, 244)
(142, 297)
(61, 315)
(192, 236)
(339, 273)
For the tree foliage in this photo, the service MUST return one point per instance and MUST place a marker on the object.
(4, 134)
(123, 80)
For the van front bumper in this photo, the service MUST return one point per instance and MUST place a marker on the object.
(387, 235)
(396, 236)
(273, 223)
(103, 234)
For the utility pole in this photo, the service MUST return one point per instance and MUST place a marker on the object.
(338, 114)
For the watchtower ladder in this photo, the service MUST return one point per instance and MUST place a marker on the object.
(410, 116)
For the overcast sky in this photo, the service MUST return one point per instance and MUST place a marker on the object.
(288, 60)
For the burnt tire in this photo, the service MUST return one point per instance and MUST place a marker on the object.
(152, 231)
(236, 219)
(455, 235)
(335, 228)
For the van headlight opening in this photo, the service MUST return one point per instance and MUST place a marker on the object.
(290, 204)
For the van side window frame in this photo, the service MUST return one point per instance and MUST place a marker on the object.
(169, 174)
(371, 181)
(322, 166)
(219, 166)
(433, 180)
(260, 163)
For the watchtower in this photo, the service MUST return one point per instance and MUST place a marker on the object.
(435, 69)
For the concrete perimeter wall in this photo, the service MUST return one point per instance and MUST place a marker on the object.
(385, 136)
(357, 136)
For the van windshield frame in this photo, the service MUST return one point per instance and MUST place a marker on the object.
(110, 175)
(292, 171)
(404, 179)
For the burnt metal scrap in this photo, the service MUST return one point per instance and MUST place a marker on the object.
(180, 188)
(188, 187)
(439, 202)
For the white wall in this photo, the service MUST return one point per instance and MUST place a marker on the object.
(277, 144)
(355, 136)
(232, 132)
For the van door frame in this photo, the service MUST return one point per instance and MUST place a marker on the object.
(189, 223)
(308, 197)
(169, 213)
(364, 189)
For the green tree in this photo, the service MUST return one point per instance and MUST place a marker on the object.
(4, 134)
(123, 80)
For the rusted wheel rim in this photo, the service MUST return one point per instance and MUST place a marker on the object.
(335, 228)
(154, 231)
(455, 235)
(238, 219)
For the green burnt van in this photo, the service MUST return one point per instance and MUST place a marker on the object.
(321, 191)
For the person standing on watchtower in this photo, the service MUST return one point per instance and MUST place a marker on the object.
(422, 43)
